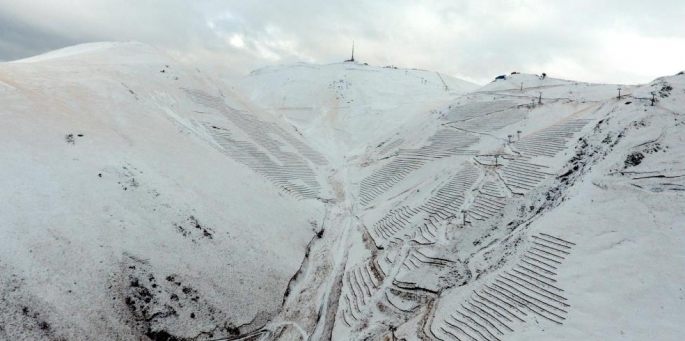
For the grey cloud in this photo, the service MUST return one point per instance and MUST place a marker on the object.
(19, 40)
(473, 39)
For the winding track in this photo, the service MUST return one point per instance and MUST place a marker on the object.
(340, 260)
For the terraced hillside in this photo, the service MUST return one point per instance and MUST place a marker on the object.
(145, 200)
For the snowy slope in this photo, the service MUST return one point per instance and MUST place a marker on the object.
(335, 202)
(339, 107)
(123, 213)
(412, 265)
(563, 234)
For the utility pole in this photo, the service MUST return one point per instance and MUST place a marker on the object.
(653, 98)
(540, 99)
(619, 92)
(521, 86)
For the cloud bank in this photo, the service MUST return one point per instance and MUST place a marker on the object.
(630, 41)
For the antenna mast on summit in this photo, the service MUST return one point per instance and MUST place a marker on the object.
(352, 59)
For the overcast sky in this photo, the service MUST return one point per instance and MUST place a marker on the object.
(628, 41)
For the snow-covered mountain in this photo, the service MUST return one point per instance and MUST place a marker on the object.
(139, 196)
(146, 200)
(339, 107)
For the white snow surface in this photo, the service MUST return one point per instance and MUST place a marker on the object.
(341, 106)
(146, 200)
(145, 192)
